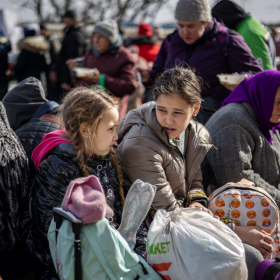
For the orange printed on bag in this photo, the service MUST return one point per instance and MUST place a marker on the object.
(277, 249)
(265, 202)
(266, 223)
(251, 214)
(235, 203)
(220, 213)
(210, 204)
(276, 239)
(247, 196)
(235, 214)
(250, 204)
(268, 231)
(251, 223)
(276, 230)
(219, 202)
(235, 195)
(237, 223)
(266, 213)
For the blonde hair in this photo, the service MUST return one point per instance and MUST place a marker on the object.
(86, 105)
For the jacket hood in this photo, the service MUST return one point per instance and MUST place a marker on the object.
(36, 44)
(230, 13)
(23, 100)
(146, 115)
(50, 141)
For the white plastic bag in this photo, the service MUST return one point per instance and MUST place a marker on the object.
(189, 244)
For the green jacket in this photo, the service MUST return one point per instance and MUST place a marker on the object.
(257, 37)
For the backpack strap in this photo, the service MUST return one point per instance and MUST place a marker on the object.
(59, 215)
(223, 39)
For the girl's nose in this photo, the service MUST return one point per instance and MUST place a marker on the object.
(169, 120)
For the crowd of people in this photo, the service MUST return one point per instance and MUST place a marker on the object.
(194, 135)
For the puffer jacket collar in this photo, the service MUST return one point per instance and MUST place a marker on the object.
(199, 141)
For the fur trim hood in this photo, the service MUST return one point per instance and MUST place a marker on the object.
(36, 44)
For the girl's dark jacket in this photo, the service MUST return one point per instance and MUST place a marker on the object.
(52, 178)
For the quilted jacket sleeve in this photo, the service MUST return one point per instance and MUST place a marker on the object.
(50, 183)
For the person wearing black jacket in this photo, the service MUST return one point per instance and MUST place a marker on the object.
(74, 44)
(31, 115)
(31, 61)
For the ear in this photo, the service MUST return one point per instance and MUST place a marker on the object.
(84, 130)
(196, 108)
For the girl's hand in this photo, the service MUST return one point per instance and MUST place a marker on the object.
(255, 237)
(197, 204)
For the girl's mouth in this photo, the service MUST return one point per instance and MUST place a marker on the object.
(169, 130)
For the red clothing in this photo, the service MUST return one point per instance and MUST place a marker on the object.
(149, 52)
(117, 68)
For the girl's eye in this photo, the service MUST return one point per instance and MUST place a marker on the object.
(178, 113)
(161, 110)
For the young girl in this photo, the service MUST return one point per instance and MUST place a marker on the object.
(91, 120)
(161, 143)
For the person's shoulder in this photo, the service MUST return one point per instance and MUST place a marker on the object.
(200, 131)
(231, 114)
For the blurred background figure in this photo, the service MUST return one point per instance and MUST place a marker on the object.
(5, 48)
(197, 42)
(256, 36)
(32, 61)
(54, 43)
(74, 44)
(147, 43)
(158, 33)
(31, 115)
(135, 100)
(112, 63)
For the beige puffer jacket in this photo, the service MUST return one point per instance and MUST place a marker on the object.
(146, 154)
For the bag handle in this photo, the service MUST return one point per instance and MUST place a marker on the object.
(59, 214)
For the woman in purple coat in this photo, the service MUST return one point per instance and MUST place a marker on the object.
(209, 48)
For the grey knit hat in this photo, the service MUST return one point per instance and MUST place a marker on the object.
(108, 29)
(198, 10)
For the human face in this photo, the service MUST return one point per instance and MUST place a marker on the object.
(190, 31)
(68, 21)
(174, 114)
(103, 139)
(275, 116)
(100, 42)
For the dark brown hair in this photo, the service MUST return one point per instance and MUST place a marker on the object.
(88, 105)
(179, 80)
